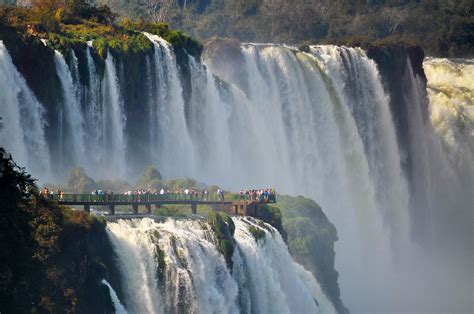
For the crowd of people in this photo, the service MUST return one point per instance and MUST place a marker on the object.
(49, 193)
(191, 192)
(259, 195)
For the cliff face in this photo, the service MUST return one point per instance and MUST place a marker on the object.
(35, 61)
(224, 56)
(311, 237)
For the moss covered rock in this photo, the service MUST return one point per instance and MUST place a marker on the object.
(223, 228)
(258, 233)
(310, 239)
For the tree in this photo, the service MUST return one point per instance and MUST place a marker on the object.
(80, 182)
(394, 18)
(157, 10)
(15, 185)
(150, 179)
(274, 10)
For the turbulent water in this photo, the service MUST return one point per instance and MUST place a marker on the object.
(314, 123)
(174, 266)
(451, 93)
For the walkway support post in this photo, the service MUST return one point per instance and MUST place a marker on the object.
(148, 208)
(87, 208)
(194, 208)
(112, 209)
(135, 208)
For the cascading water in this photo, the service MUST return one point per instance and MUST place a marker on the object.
(314, 123)
(170, 114)
(174, 266)
(358, 83)
(23, 120)
(113, 121)
(74, 143)
(119, 309)
(93, 109)
(450, 90)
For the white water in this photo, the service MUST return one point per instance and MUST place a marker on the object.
(113, 123)
(196, 278)
(357, 81)
(451, 94)
(170, 116)
(93, 113)
(74, 142)
(119, 309)
(23, 120)
(314, 124)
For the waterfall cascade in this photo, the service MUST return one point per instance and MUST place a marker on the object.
(451, 90)
(73, 144)
(314, 123)
(174, 265)
(23, 119)
(119, 309)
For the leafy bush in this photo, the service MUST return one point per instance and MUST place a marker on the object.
(66, 26)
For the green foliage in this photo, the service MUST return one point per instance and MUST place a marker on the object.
(150, 174)
(48, 22)
(226, 247)
(173, 211)
(257, 233)
(46, 251)
(223, 228)
(272, 215)
(66, 26)
(117, 185)
(76, 10)
(161, 264)
(181, 183)
(80, 182)
(310, 239)
(176, 38)
(440, 27)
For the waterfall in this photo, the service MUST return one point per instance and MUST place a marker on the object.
(359, 85)
(23, 119)
(321, 145)
(315, 123)
(174, 152)
(119, 309)
(113, 122)
(93, 114)
(74, 142)
(174, 265)
(450, 90)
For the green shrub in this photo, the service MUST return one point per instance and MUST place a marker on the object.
(80, 182)
(223, 227)
(257, 233)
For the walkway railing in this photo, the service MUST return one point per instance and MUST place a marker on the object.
(151, 198)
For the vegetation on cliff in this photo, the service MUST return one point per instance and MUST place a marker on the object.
(310, 239)
(223, 228)
(441, 27)
(73, 23)
(50, 255)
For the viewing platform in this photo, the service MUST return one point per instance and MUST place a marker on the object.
(241, 206)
